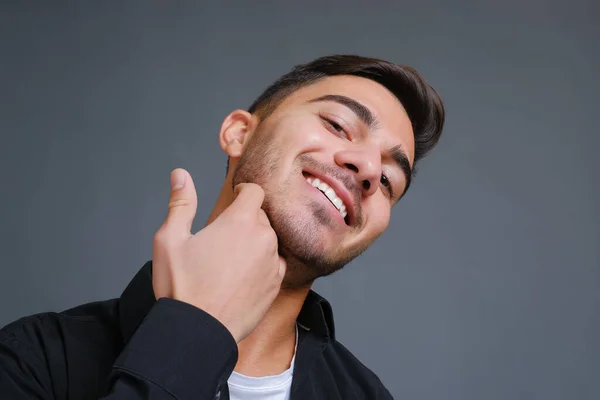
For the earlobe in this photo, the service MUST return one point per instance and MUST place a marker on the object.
(235, 131)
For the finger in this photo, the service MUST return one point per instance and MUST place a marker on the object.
(282, 267)
(262, 217)
(247, 196)
(183, 202)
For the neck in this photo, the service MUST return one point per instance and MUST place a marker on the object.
(269, 349)
(223, 201)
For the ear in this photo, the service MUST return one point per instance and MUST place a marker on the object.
(235, 131)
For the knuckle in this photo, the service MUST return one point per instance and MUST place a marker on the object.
(174, 203)
(270, 237)
(160, 240)
(160, 234)
(263, 217)
(163, 238)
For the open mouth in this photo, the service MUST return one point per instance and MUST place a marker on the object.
(330, 194)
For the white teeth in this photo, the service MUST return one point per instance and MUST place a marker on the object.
(330, 193)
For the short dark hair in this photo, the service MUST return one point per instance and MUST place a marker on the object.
(422, 103)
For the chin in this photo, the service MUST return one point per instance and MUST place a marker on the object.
(300, 236)
(309, 250)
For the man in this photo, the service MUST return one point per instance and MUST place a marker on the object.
(315, 166)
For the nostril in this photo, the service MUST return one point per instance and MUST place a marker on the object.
(366, 185)
(352, 167)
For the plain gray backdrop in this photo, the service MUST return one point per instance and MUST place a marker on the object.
(487, 283)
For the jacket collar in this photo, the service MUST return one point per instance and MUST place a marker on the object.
(138, 298)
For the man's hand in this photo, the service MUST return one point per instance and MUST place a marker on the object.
(230, 269)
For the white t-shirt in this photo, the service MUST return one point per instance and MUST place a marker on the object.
(274, 387)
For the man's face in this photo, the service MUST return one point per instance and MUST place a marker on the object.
(349, 133)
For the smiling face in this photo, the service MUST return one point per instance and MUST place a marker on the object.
(333, 158)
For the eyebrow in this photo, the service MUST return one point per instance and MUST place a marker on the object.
(363, 112)
(396, 153)
(399, 156)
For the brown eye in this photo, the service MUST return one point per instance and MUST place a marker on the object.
(336, 126)
(385, 181)
(387, 184)
(332, 125)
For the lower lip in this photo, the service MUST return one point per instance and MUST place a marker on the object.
(325, 199)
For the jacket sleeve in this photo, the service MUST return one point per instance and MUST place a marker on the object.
(23, 375)
(177, 352)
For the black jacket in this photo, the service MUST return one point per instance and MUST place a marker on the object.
(136, 347)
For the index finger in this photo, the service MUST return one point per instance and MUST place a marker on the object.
(248, 196)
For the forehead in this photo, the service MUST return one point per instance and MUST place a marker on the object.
(394, 125)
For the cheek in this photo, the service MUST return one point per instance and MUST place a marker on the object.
(305, 134)
(293, 134)
(379, 218)
(315, 135)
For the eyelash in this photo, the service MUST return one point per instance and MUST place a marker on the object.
(384, 180)
(337, 127)
(387, 182)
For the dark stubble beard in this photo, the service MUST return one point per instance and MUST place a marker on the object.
(302, 249)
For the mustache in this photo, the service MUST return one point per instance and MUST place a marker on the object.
(341, 174)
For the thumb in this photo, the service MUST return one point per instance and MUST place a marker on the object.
(183, 202)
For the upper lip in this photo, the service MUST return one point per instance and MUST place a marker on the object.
(341, 191)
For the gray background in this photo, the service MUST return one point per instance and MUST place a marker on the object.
(486, 285)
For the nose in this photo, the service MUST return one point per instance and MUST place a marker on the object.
(365, 162)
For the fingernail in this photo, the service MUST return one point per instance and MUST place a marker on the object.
(177, 180)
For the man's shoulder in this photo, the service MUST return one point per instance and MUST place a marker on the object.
(360, 377)
(92, 321)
